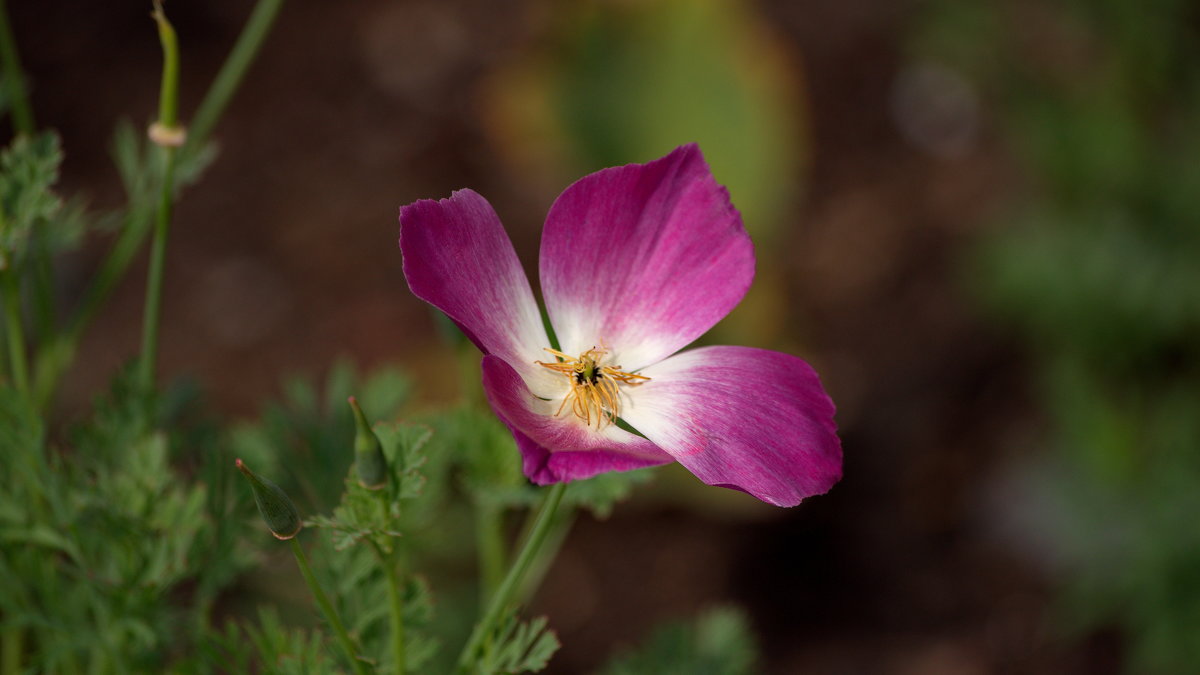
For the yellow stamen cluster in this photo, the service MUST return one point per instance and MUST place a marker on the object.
(594, 394)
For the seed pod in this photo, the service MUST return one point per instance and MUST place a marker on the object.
(273, 503)
(369, 461)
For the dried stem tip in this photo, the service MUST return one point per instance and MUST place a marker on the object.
(369, 460)
(273, 503)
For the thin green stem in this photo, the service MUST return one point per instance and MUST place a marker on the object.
(396, 602)
(327, 608)
(512, 580)
(22, 113)
(158, 254)
(134, 232)
(168, 106)
(168, 92)
(563, 521)
(62, 353)
(490, 542)
(16, 332)
(232, 72)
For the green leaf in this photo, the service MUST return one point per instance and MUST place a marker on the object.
(403, 445)
(365, 513)
(28, 169)
(519, 647)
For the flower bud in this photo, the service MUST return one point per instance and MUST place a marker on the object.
(368, 452)
(277, 510)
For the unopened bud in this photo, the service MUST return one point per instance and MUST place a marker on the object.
(368, 452)
(273, 503)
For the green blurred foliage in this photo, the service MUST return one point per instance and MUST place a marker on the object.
(108, 555)
(28, 171)
(638, 79)
(518, 647)
(718, 642)
(627, 82)
(1096, 266)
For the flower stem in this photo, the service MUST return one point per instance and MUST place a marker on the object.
(512, 580)
(18, 102)
(396, 602)
(134, 232)
(490, 542)
(327, 608)
(563, 521)
(158, 253)
(16, 331)
(168, 98)
(232, 72)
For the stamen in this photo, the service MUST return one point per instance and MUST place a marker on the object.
(594, 390)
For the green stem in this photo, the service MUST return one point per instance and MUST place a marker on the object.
(327, 608)
(119, 258)
(232, 72)
(168, 92)
(22, 113)
(396, 602)
(512, 580)
(158, 253)
(563, 521)
(490, 540)
(133, 233)
(168, 98)
(16, 332)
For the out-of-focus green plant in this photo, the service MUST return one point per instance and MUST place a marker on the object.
(1096, 265)
(717, 642)
(111, 558)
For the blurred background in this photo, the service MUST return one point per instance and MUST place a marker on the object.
(978, 221)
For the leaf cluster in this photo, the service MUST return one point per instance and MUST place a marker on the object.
(1094, 267)
(28, 171)
(101, 539)
(518, 647)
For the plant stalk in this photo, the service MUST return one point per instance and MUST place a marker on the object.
(168, 108)
(119, 258)
(232, 72)
(491, 550)
(396, 603)
(154, 277)
(327, 608)
(512, 580)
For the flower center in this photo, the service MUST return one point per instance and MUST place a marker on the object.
(594, 394)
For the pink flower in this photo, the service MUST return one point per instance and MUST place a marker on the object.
(636, 262)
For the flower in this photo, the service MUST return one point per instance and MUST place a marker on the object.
(636, 262)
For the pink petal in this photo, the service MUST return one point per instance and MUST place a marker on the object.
(749, 419)
(643, 258)
(458, 258)
(560, 449)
